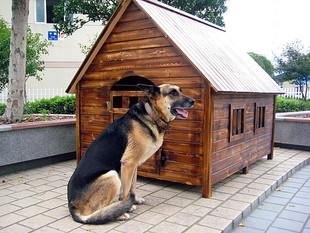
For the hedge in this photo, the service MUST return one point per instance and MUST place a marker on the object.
(292, 105)
(56, 105)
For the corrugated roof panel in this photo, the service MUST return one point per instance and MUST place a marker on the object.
(226, 67)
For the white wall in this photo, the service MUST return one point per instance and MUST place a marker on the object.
(64, 56)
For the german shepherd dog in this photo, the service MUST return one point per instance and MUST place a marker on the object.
(121, 148)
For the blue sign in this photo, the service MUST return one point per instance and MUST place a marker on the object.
(52, 35)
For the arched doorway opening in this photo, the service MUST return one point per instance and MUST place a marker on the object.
(125, 93)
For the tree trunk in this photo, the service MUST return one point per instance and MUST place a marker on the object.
(17, 64)
(301, 90)
(306, 90)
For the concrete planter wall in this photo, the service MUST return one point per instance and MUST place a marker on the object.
(36, 140)
(293, 130)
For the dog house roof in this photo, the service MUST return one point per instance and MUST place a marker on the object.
(205, 45)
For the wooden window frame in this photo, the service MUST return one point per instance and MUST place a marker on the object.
(236, 122)
(259, 117)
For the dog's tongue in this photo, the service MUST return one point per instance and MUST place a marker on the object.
(182, 112)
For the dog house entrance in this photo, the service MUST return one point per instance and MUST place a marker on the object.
(123, 95)
(126, 93)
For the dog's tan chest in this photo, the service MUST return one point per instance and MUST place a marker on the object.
(141, 144)
(150, 148)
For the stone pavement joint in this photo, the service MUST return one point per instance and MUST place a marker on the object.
(275, 195)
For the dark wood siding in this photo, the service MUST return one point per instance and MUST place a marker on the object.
(136, 47)
(228, 156)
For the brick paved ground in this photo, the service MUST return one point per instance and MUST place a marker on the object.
(35, 201)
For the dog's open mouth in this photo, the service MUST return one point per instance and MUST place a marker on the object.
(179, 112)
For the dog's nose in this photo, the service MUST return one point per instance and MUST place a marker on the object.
(192, 101)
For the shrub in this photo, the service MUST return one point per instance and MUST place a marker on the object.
(56, 105)
(2, 108)
(292, 105)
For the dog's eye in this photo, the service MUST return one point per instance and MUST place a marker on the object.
(174, 93)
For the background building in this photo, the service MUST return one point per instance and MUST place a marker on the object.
(65, 55)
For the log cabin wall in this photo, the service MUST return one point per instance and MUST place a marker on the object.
(229, 155)
(136, 47)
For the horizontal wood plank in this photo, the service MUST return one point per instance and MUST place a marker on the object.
(156, 42)
(95, 119)
(133, 35)
(150, 73)
(182, 168)
(174, 176)
(137, 54)
(133, 25)
(139, 64)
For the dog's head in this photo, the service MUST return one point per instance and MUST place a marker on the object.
(168, 100)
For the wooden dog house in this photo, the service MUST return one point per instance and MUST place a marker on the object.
(232, 122)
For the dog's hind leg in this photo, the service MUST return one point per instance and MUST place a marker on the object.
(95, 207)
(100, 193)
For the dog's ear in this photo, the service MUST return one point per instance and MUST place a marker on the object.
(151, 91)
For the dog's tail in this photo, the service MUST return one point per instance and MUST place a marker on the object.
(107, 214)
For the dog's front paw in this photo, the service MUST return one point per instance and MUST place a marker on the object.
(139, 201)
(124, 217)
(133, 208)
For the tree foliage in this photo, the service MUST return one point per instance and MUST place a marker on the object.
(68, 13)
(294, 64)
(34, 51)
(263, 62)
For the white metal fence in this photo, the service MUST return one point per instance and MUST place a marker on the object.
(36, 94)
(294, 93)
(47, 93)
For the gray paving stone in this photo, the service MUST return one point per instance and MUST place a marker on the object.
(151, 217)
(65, 224)
(6, 192)
(292, 215)
(298, 208)
(47, 230)
(31, 211)
(210, 203)
(38, 221)
(278, 230)
(227, 213)
(196, 210)
(299, 200)
(179, 201)
(99, 228)
(271, 207)
(8, 208)
(217, 223)
(245, 229)
(287, 224)
(276, 200)
(257, 223)
(168, 227)
(16, 228)
(10, 219)
(264, 214)
(166, 209)
(198, 228)
(183, 219)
